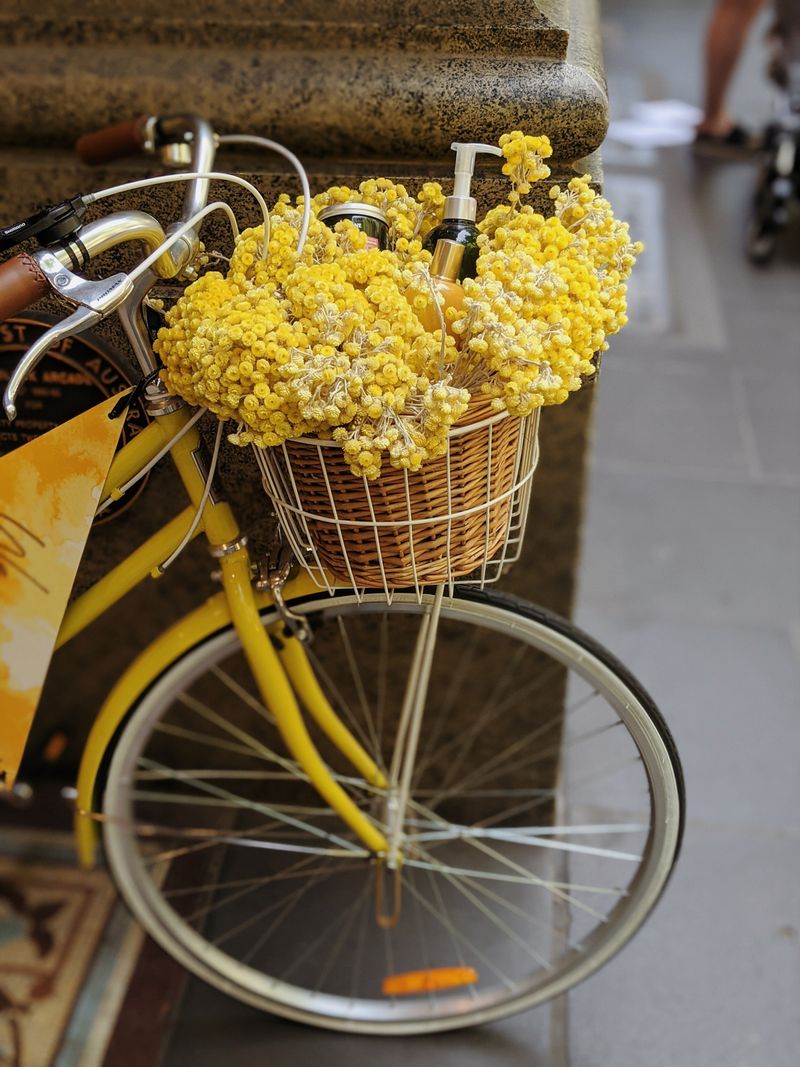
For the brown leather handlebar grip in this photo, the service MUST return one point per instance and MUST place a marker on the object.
(114, 142)
(22, 283)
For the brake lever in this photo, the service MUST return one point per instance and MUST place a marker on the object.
(95, 300)
(103, 296)
(77, 322)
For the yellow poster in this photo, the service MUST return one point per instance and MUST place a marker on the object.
(49, 490)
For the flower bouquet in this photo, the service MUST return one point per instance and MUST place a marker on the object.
(394, 452)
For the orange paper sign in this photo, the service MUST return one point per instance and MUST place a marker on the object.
(49, 490)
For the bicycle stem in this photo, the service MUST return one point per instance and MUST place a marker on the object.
(201, 135)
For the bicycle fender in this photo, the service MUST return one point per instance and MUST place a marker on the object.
(169, 646)
(139, 676)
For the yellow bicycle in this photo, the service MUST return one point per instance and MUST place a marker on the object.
(378, 813)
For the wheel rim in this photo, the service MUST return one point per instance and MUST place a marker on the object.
(481, 868)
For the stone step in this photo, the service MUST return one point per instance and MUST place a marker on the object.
(30, 178)
(401, 28)
(95, 16)
(344, 102)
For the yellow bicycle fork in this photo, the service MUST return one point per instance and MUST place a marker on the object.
(281, 676)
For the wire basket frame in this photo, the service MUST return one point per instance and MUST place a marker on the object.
(459, 520)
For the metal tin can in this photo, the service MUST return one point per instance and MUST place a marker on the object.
(370, 220)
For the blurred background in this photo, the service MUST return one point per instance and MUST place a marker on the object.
(690, 567)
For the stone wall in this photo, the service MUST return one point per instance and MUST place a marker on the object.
(358, 89)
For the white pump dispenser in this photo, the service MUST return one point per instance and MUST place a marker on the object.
(461, 205)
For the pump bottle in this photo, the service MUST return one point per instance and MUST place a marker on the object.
(460, 209)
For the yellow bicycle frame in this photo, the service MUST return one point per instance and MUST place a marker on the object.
(281, 676)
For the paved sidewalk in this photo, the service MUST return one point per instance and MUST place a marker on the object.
(691, 574)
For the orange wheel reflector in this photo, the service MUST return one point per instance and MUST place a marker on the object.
(403, 985)
(56, 747)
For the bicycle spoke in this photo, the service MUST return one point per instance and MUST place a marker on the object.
(550, 886)
(543, 842)
(475, 873)
(424, 954)
(497, 762)
(387, 951)
(492, 712)
(263, 809)
(246, 697)
(345, 927)
(287, 905)
(479, 722)
(547, 795)
(205, 910)
(210, 839)
(505, 765)
(361, 938)
(528, 842)
(256, 746)
(512, 865)
(192, 799)
(208, 772)
(345, 920)
(275, 846)
(282, 876)
(495, 919)
(457, 677)
(338, 700)
(527, 916)
(453, 939)
(528, 836)
(474, 951)
(214, 802)
(204, 739)
(371, 743)
(531, 831)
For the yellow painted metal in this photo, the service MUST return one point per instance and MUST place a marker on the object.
(130, 459)
(165, 650)
(119, 581)
(276, 691)
(220, 526)
(304, 682)
(219, 521)
(237, 604)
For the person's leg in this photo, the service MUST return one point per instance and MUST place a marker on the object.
(727, 32)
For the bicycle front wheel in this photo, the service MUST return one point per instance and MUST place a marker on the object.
(544, 819)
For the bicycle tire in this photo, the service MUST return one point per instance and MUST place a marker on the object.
(505, 620)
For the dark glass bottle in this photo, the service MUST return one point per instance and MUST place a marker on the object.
(463, 232)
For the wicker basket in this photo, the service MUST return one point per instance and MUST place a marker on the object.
(400, 530)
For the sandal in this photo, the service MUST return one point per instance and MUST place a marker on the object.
(736, 142)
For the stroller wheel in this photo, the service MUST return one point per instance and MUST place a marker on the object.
(764, 223)
(760, 241)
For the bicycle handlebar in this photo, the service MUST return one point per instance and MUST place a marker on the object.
(22, 283)
(25, 278)
(113, 142)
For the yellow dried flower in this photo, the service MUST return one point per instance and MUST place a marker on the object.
(328, 342)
